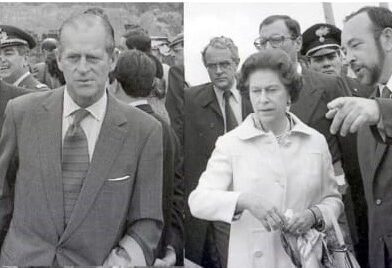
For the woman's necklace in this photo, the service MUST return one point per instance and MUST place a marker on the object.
(282, 138)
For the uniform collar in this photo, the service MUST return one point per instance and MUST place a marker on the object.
(21, 78)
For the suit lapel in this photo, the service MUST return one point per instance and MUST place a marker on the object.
(246, 105)
(308, 100)
(49, 125)
(109, 143)
(208, 99)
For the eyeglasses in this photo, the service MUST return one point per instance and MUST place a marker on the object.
(275, 41)
(224, 65)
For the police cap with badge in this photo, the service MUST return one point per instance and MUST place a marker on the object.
(320, 39)
(13, 36)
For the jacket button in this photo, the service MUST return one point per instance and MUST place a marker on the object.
(378, 202)
(258, 254)
(59, 249)
(380, 238)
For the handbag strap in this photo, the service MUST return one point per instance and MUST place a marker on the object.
(336, 227)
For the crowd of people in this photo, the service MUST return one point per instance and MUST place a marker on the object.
(108, 157)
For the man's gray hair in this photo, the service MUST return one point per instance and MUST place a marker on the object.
(222, 42)
(90, 19)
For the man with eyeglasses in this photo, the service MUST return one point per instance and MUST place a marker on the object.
(210, 110)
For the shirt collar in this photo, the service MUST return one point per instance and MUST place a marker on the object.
(21, 78)
(249, 130)
(137, 103)
(299, 68)
(97, 109)
(236, 93)
(388, 84)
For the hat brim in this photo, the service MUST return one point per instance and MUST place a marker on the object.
(323, 51)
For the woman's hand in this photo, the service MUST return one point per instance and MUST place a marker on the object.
(300, 222)
(266, 213)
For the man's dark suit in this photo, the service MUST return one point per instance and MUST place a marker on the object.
(375, 159)
(173, 190)
(175, 98)
(318, 90)
(121, 193)
(203, 124)
(8, 92)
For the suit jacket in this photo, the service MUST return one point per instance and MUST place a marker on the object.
(175, 98)
(375, 159)
(32, 83)
(203, 124)
(311, 107)
(8, 92)
(128, 146)
(173, 190)
(41, 72)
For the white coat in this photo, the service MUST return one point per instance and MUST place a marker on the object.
(296, 175)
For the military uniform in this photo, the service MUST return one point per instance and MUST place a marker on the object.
(11, 36)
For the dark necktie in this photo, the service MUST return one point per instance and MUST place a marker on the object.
(75, 162)
(231, 122)
(386, 93)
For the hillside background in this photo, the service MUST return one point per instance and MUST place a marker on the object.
(159, 19)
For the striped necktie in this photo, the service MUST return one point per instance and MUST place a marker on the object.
(386, 93)
(231, 121)
(75, 162)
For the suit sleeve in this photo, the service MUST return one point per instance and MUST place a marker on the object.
(385, 106)
(8, 149)
(175, 234)
(175, 99)
(145, 219)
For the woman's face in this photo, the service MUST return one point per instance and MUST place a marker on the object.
(268, 96)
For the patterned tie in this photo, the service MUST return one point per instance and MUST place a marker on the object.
(75, 162)
(386, 93)
(231, 122)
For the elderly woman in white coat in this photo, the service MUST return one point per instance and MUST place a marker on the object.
(270, 164)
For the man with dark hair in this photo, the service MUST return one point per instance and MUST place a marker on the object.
(137, 38)
(135, 73)
(85, 165)
(367, 42)
(210, 110)
(15, 45)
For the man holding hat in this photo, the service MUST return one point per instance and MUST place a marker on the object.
(15, 45)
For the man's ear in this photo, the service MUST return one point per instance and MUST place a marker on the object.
(386, 39)
(298, 43)
(114, 58)
(58, 58)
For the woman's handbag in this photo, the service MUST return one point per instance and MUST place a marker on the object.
(340, 256)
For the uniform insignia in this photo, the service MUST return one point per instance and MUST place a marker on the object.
(322, 32)
(3, 36)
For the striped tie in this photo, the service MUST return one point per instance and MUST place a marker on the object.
(75, 162)
(231, 122)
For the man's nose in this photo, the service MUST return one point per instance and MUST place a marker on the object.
(82, 65)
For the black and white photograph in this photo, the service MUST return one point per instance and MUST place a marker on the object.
(196, 134)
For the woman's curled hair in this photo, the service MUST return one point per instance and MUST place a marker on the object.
(276, 60)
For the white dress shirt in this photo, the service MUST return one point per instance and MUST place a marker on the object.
(91, 124)
(235, 102)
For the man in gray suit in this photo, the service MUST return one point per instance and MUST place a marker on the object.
(89, 181)
(367, 41)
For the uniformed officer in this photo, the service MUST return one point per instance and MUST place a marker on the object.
(321, 45)
(15, 45)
